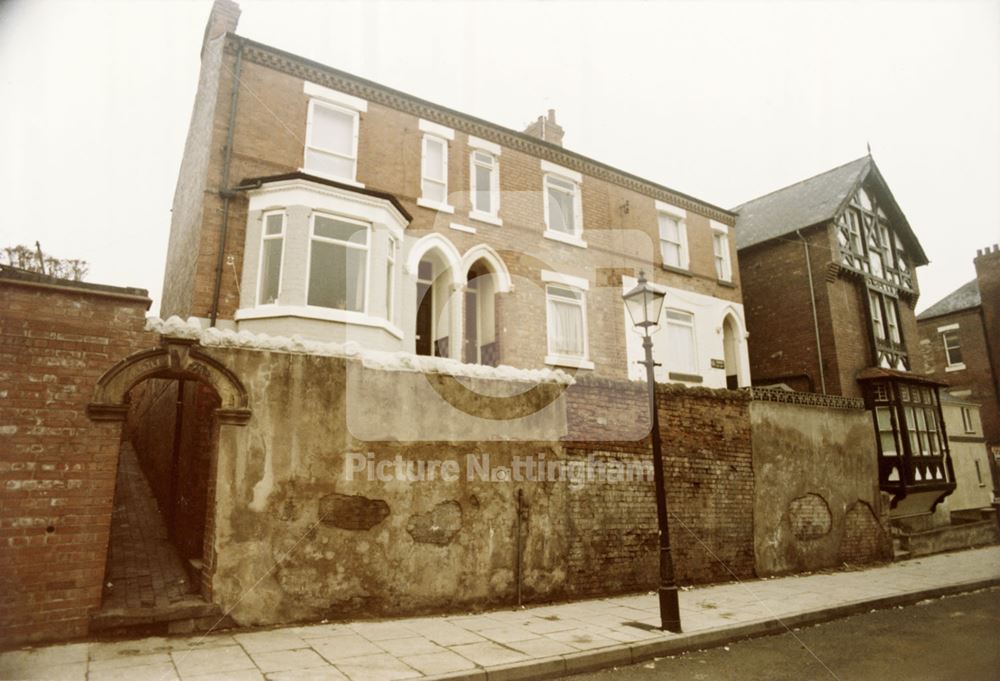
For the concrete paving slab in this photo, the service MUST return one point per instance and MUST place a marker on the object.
(444, 662)
(288, 660)
(211, 660)
(377, 668)
(338, 648)
(266, 641)
(528, 643)
(159, 672)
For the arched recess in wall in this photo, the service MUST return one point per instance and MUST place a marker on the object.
(441, 246)
(732, 336)
(436, 265)
(174, 359)
(485, 275)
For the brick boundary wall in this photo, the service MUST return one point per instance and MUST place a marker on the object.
(57, 467)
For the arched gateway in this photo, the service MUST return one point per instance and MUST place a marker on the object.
(176, 358)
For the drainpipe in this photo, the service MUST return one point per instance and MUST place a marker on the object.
(812, 299)
(225, 192)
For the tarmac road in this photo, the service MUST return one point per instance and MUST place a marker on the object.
(951, 638)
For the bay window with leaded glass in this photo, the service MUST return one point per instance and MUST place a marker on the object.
(912, 444)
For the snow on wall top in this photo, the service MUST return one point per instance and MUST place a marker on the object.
(191, 329)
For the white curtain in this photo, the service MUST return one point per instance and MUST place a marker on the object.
(567, 328)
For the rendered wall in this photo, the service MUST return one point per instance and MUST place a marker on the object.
(817, 502)
(317, 543)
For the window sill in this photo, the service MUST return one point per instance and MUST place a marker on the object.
(570, 239)
(458, 227)
(725, 282)
(955, 367)
(564, 361)
(488, 218)
(686, 378)
(677, 270)
(319, 313)
(434, 205)
(334, 178)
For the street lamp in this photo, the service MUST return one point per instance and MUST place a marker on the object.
(645, 304)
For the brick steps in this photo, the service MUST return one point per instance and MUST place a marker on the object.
(182, 617)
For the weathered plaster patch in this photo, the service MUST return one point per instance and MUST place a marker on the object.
(438, 526)
(810, 516)
(352, 512)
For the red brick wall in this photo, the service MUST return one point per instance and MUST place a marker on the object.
(988, 275)
(707, 465)
(57, 467)
(977, 376)
(779, 313)
(778, 310)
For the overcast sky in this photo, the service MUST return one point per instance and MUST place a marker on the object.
(721, 100)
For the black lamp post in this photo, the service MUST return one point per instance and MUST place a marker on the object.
(644, 304)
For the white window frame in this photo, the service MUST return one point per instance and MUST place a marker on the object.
(356, 118)
(967, 424)
(493, 216)
(682, 243)
(555, 359)
(694, 337)
(945, 331)
(264, 236)
(893, 330)
(425, 201)
(576, 179)
(338, 314)
(878, 320)
(720, 234)
(445, 135)
(391, 259)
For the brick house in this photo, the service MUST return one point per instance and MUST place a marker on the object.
(317, 203)
(960, 346)
(828, 271)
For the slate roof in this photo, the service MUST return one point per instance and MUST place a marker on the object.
(797, 206)
(816, 200)
(962, 298)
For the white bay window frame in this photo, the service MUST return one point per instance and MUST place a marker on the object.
(366, 247)
(265, 218)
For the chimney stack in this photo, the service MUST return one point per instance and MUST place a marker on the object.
(546, 129)
(223, 18)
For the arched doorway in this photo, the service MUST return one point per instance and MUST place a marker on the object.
(172, 403)
(731, 350)
(480, 340)
(433, 333)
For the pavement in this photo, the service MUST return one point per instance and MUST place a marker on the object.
(530, 643)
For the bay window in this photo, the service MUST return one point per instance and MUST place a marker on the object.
(272, 249)
(338, 263)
